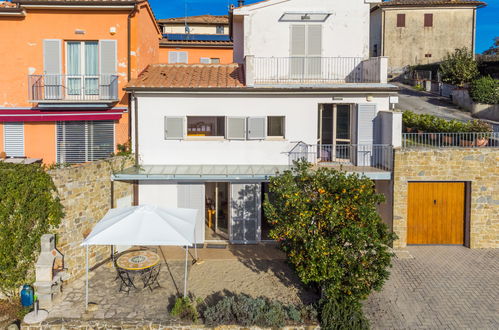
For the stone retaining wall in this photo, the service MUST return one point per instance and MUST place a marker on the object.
(108, 324)
(85, 193)
(480, 166)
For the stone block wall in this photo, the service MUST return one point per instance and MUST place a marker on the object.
(480, 166)
(85, 193)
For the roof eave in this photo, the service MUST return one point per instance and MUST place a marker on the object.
(247, 89)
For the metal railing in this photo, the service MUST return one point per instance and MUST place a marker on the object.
(292, 70)
(72, 88)
(448, 140)
(357, 156)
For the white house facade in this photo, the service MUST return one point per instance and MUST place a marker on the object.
(210, 136)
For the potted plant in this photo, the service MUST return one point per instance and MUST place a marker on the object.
(409, 119)
(482, 130)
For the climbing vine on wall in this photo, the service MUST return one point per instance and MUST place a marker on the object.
(29, 208)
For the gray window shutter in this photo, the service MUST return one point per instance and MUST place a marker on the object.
(366, 115)
(174, 128)
(205, 60)
(236, 128)
(52, 67)
(192, 196)
(182, 57)
(314, 40)
(14, 139)
(172, 57)
(108, 57)
(298, 40)
(256, 128)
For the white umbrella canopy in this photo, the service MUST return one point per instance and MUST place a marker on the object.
(145, 225)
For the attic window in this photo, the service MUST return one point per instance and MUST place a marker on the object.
(304, 17)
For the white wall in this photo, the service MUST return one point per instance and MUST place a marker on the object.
(301, 114)
(195, 28)
(345, 32)
(376, 27)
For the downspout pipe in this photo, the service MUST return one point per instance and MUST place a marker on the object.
(136, 126)
(129, 62)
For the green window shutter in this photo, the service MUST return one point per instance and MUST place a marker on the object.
(236, 128)
(256, 128)
(174, 128)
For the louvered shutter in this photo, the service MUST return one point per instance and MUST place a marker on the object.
(14, 139)
(182, 57)
(236, 128)
(256, 128)
(314, 50)
(84, 141)
(366, 114)
(172, 57)
(174, 128)
(52, 60)
(297, 50)
(192, 196)
(108, 67)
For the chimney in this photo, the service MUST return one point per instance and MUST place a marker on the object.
(240, 3)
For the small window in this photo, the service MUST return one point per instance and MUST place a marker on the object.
(400, 20)
(275, 126)
(427, 55)
(178, 57)
(215, 61)
(220, 29)
(206, 126)
(428, 20)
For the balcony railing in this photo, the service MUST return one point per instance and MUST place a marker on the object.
(449, 140)
(351, 156)
(72, 88)
(315, 70)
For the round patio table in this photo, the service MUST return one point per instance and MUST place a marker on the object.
(138, 260)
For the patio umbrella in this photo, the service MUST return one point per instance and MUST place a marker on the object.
(145, 225)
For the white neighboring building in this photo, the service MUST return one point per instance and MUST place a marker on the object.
(210, 136)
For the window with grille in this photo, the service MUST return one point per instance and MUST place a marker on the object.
(178, 57)
(84, 141)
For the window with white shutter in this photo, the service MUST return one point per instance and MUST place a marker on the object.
(256, 128)
(178, 57)
(14, 139)
(236, 128)
(306, 50)
(174, 128)
(84, 141)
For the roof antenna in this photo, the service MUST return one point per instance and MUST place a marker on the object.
(240, 3)
(187, 28)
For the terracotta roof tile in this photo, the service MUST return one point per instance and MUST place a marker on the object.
(202, 19)
(190, 76)
(393, 3)
(75, 2)
(7, 4)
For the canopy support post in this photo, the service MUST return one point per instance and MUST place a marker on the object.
(185, 271)
(86, 280)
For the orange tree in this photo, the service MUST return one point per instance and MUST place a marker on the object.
(326, 222)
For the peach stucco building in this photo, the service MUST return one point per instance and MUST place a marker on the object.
(196, 39)
(65, 64)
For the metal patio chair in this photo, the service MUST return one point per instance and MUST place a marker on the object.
(150, 278)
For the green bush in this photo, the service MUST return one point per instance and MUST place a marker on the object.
(29, 208)
(485, 90)
(246, 311)
(185, 309)
(459, 67)
(327, 224)
(342, 315)
(432, 124)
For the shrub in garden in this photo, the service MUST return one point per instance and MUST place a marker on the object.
(246, 311)
(185, 309)
(29, 208)
(459, 67)
(339, 315)
(327, 223)
(485, 90)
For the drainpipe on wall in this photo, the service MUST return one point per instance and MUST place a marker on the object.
(136, 127)
(129, 60)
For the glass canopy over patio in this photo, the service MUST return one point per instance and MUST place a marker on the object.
(219, 173)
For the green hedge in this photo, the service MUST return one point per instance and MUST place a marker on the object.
(432, 124)
(485, 90)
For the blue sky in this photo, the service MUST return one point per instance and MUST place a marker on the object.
(487, 18)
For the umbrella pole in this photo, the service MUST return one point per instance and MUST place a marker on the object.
(195, 245)
(185, 271)
(86, 281)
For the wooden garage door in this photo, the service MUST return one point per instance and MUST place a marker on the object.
(436, 213)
